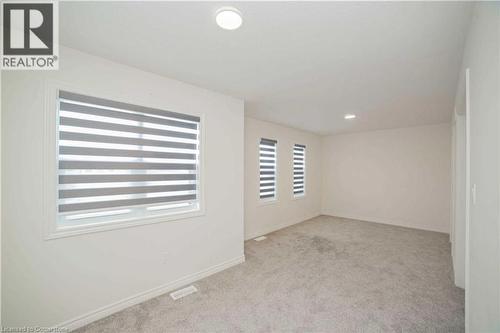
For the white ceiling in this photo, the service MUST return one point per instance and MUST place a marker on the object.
(301, 64)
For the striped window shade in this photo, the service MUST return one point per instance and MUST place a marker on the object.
(118, 161)
(267, 166)
(299, 170)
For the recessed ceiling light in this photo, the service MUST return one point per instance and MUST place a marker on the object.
(349, 116)
(228, 18)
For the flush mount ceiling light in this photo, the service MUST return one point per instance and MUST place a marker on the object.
(349, 116)
(228, 18)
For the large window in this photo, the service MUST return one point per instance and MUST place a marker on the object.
(267, 163)
(122, 162)
(299, 170)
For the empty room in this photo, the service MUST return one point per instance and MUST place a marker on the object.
(250, 166)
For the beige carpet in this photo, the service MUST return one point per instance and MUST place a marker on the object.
(323, 275)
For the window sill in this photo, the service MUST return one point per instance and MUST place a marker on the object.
(265, 202)
(107, 226)
(298, 197)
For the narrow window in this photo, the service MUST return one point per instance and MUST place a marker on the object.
(299, 170)
(120, 162)
(267, 163)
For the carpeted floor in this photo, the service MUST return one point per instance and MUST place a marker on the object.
(323, 275)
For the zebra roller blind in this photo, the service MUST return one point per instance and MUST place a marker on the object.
(299, 169)
(118, 160)
(267, 163)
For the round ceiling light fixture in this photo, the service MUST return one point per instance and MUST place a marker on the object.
(349, 116)
(228, 18)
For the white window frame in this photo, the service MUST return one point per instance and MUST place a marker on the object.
(52, 229)
(267, 201)
(303, 194)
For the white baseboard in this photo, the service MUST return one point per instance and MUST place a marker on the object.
(254, 234)
(382, 221)
(107, 310)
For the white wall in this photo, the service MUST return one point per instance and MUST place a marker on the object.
(49, 282)
(262, 218)
(398, 176)
(482, 57)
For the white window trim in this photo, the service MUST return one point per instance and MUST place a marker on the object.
(268, 201)
(51, 229)
(298, 196)
(303, 194)
(273, 200)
